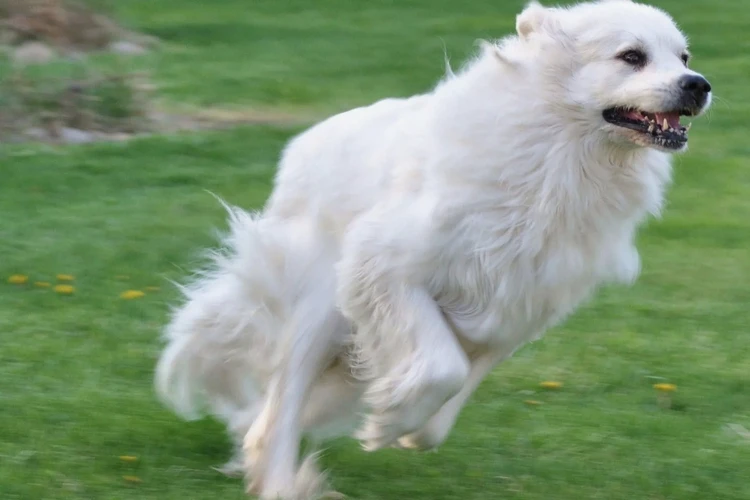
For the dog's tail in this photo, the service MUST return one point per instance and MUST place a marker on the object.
(221, 341)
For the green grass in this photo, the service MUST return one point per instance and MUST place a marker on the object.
(76, 371)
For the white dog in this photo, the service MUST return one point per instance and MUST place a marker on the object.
(411, 245)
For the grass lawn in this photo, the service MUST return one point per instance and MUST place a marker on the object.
(76, 370)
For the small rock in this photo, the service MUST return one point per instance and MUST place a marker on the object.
(119, 137)
(36, 133)
(75, 136)
(76, 56)
(33, 53)
(127, 48)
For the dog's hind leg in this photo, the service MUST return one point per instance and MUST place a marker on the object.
(312, 337)
(334, 407)
(272, 444)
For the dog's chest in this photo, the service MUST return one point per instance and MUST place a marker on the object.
(510, 294)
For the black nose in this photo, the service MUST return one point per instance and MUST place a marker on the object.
(695, 91)
(695, 84)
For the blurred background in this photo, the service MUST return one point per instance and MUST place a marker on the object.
(117, 116)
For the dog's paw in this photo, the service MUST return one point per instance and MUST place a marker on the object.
(253, 447)
(233, 468)
(392, 429)
(309, 483)
(378, 432)
(417, 441)
(402, 404)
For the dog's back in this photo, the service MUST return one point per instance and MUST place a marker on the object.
(353, 152)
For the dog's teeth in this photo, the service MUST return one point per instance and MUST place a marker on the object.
(665, 124)
(687, 127)
(650, 129)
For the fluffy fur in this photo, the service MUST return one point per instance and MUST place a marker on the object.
(410, 246)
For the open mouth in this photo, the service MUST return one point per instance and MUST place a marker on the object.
(660, 129)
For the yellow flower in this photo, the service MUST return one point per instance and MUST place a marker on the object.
(18, 279)
(532, 402)
(41, 284)
(131, 294)
(65, 289)
(152, 288)
(128, 458)
(551, 384)
(665, 387)
(132, 479)
(65, 277)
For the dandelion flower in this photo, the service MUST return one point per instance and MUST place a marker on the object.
(131, 294)
(551, 384)
(664, 394)
(42, 284)
(18, 279)
(65, 277)
(665, 387)
(128, 458)
(64, 289)
(132, 479)
(152, 288)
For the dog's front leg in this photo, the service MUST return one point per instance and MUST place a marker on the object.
(439, 426)
(408, 354)
(404, 398)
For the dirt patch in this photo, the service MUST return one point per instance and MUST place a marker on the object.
(63, 25)
(77, 115)
(108, 107)
(73, 110)
(214, 118)
(52, 106)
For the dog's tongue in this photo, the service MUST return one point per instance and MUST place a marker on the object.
(673, 119)
(635, 115)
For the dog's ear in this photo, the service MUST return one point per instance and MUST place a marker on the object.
(531, 19)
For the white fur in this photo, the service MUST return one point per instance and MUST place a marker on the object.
(411, 245)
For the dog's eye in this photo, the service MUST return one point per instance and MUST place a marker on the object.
(685, 59)
(634, 57)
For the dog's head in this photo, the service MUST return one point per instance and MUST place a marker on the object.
(621, 66)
